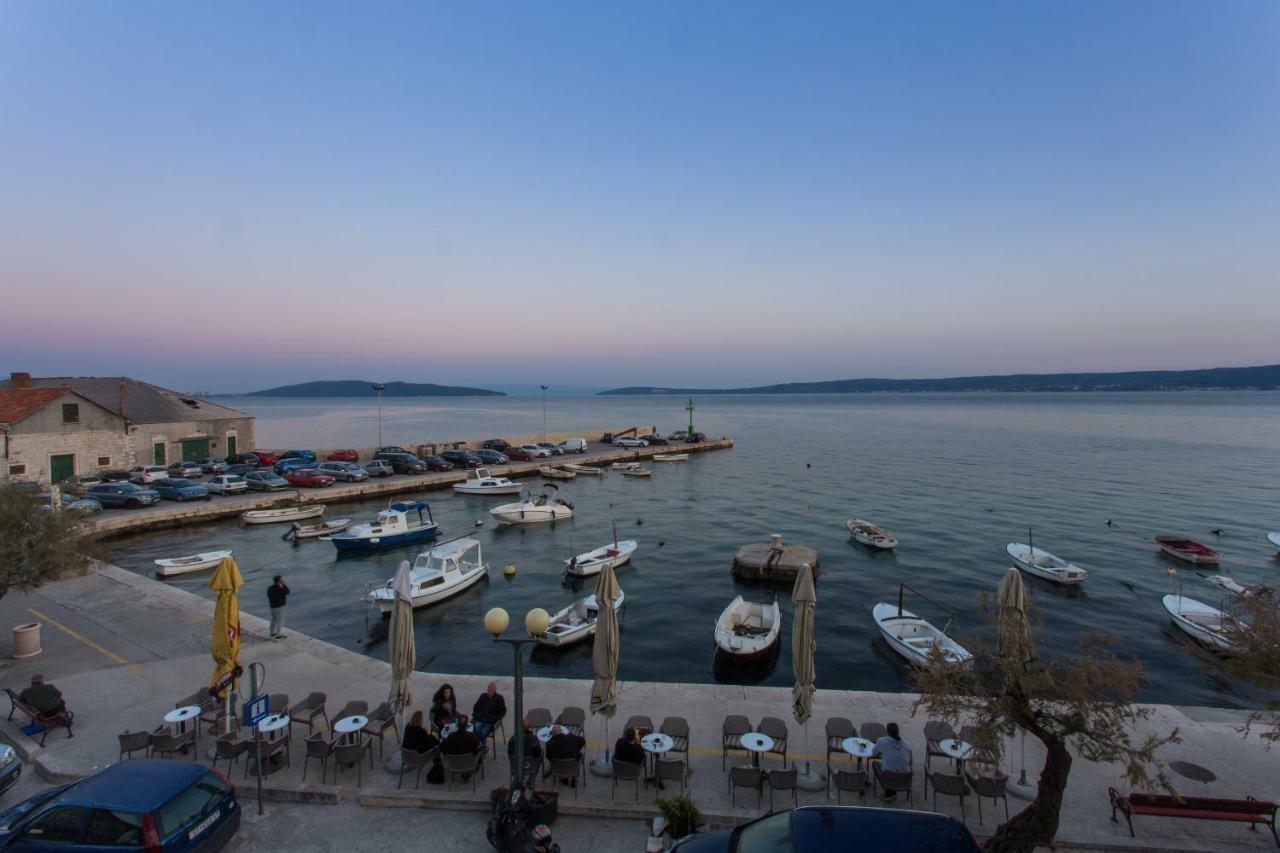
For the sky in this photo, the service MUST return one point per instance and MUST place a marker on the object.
(228, 196)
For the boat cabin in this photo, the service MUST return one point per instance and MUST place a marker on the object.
(434, 567)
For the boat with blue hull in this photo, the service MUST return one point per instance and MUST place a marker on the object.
(394, 526)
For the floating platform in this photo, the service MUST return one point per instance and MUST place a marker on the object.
(773, 560)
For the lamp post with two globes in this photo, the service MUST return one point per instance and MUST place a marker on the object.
(535, 622)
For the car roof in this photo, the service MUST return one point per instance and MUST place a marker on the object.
(139, 785)
(876, 829)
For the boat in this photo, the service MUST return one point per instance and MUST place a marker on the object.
(1207, 624)
(287, 513)
(583, 469)
(480, 482)
(576, 622)
(1274, 539)
(636, 472)
(531, 510)
(916, 639)
(870, 535)
(1233, 586)
(194, 563)
(394, 526)
(593, 562)
(746, 630)
(556, 473)
(312, 531)
(443, 572)
(625, 466)
(1189, 550)
(670, 457)
(1042, 564)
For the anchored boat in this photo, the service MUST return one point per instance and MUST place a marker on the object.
(593, 562)
(670, 457)
(746, 630)
(394, 526)
(314, 531)
(531, 510)
(443, 572)
(576, 622)
(636, 472)
(920, 642)
(480, 482)
(1189, 550)
(194, 563)
(1042, 564)
(1274, 539)
(583, 469)
(1205, 623)
(555, 473)
(287, 513)
(870, 535)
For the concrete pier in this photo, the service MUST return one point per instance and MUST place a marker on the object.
(774, 560)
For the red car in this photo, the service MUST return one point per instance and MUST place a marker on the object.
(515, 454)
(308, 478)
(266, 459)
(343, 456)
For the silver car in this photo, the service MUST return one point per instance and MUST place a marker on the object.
(227, 484)
(379, 468)
(348, 472)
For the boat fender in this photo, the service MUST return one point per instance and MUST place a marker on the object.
(509, 571)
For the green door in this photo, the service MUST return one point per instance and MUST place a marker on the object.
(195, 448)
(157, 453)
(61, 466)
(231, 446)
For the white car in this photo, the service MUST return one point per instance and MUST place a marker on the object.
(574, 445)
(534, 451)
(630, 441)
(227, 484)
(147, 474)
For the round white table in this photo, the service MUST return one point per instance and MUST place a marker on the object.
(349, 727)
(858, 747)
(179, 717)
(271, 724)
(655, 744)
(756, 743)
(956, 749)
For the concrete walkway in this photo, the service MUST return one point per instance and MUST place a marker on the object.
(124, 649)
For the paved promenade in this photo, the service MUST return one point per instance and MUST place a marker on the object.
(124, 649)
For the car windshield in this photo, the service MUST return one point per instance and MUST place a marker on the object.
(191, 804)
(179, 483)
(21, 810)
(770, 835)
(129, 487)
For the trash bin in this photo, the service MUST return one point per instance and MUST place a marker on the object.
(26, 640)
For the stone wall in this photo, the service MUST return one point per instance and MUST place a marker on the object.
(145, 436)
(97, 434)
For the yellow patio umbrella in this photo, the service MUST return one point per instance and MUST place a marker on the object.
(226, 581)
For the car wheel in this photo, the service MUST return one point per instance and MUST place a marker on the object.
(132, 504)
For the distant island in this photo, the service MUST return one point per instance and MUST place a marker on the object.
(1220, 378)
(359, 388)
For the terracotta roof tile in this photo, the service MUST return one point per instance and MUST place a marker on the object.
(17, 403)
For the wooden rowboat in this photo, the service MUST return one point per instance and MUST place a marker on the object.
(288, 513)
(670, 457)
(556, 473)
(313, 531)
(194, 563)
(636, 472)
(1189, 550)
(746, 630)
(583, 469)
(870, 535)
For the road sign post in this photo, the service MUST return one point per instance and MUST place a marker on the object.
(254, 711)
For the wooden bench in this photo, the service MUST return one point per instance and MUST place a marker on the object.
(1248, 810)
(49, 721)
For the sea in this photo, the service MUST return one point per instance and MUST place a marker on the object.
(1093, 477)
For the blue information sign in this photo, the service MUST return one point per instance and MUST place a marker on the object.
(255, 710)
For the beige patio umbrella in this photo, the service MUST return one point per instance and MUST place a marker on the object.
(604, 659)
(803, 650)
(400, 639)
(1015, 644)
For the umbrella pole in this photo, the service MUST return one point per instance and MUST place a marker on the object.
(1022, 789)
(601, 766)
(808, 780)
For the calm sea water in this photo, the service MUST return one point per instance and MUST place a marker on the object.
(956, 478)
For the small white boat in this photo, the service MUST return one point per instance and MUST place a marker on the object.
(670, 457)
(1207, 624)
(1274, 539)
(1042, 564)
(591, 563)
(555, 473)
(576, 622)
(583, 469)
(313, 531)
(480, 482)
(531, 510)
(443, 572)
(868, 534)
(625, 466)
(194, 563)
(287, 513)
(1233, 586)
(746, 630)
(916, 639)
(636, 472)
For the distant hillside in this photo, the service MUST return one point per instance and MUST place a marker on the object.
(358, 388)
(1246, 378)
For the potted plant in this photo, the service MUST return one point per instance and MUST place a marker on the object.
(543, 807)
(682, 816)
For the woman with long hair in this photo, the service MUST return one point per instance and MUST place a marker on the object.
(444, 707)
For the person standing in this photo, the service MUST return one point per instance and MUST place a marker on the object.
(276, 595)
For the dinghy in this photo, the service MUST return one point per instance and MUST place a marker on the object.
(393, 527)
(287, 513)
(625, 466)
(920, 642)
(312, 531)
(480, 482)
(636, 472)
(1234, 587)
(1207, 624)
(870, 535)
(670, 457)
(443, 572)
(194, 563)
(1042, 564)
(593, 562)
(583, 469)
(531, 510)
(576, 622)
(1274, 539)
(555, 473)
(1189, 550)
(746, 630)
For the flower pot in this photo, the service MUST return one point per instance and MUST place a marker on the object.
(26, 640)
(544, 812)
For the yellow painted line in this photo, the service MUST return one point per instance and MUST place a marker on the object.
(133, 667)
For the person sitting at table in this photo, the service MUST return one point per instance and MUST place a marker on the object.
(488, 711)
(462, 741)
(628, 748)
(444, 707)
(532, 749)
(894, 754)
(416, 737)
(563, 744)
(42, 696)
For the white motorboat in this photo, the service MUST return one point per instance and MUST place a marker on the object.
(480, 482)
(576, 622)
(443, 572)
(1042, 564)
(916, 639)
(194, 563)
(286, 513)
(591, 563)
(670, 457)
(636, 472)
(313, 531)
(746, 630)
(531, 510)
(583, 469)
(625, 466)
(1274, 539)
(394, 526)
(868, 534)
(556, 473)
(1207, 624)
(1233, 586)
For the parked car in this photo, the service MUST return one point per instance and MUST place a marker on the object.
(437, 463)
(116, 476)
(492, 457)
(227, 484)
(379, 468)
(188, 470)
(461, 458)
(265, 481)
(678, 435)
(240, 470)
(390, 448)
(607, 438)
(10, 767)
(286, 465)
(654, 438)
(127, 495)
(553, 449)
(404, 463)
(574, 445)
(343, 456)
(629, 441)
(696, 437)
(304, 455)
(213, 466)
(266, 458)
(146, 474)
(181, 489)
(534, 451)
(838, 829)
(71, 503)
(244, 459)
(497, 444)
(78, 483)
(348, 472)
(308, 478)
(146, 804)
(518, 454)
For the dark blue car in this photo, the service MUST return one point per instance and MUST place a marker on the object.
(155, 806)
(286, 465)
(306, 456)
(180, 489)
(839, 829)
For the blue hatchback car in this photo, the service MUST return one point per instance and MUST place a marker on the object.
(284, 466)
(149, 805)
(181, 489)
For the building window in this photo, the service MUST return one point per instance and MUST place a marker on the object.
(71, 413)
(17, 470)
(104, 461)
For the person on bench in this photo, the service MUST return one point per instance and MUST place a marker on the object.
(44, 697)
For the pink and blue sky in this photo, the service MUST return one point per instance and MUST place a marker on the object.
(228, 196)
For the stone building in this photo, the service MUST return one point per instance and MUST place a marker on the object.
(160, 426)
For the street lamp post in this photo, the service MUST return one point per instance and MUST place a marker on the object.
(535, 622)
(689, 409)
(378, 387)
(544, 410)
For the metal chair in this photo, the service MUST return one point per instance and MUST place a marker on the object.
(320, 748)
(200, 699)
(983, 743)
(229, 747)
(464, 765)
(308, 711)
(382, 720)
(838, 728)
(935, 731)
(572, 719)
(131, 742)
(670, 770)
(214, 716)
(731, 732)
(642, 724)
(353, 709)
(349, 754)
(167, 744)
(625, 771)
(872, 731)
(744, 777)
(532, 767)
(776, 729)
(677, 728)
(949, 785)
(270, 750)
(411, 759)
(566, 768)
(989, 786)
(783, 780)
(852, 781)
(538, 717)
(278, 703)
(892, 781)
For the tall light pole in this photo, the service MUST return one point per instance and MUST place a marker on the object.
(689, 408)
(544, 410)
(378, 387)
(535, 622)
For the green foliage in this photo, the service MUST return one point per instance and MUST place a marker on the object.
(36, 545)
(683, 817)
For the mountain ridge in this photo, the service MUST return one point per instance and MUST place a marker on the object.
(361, 388)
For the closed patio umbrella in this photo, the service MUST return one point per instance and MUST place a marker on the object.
(400, 639)
(225, 646)
(604, 659)
(1015, 644)
(803, 651)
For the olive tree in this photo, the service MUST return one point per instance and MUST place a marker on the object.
(36, 544)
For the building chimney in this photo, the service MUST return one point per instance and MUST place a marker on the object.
(19, 380)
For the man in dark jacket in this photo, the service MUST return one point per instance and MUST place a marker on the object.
(45, 698)
(488, 710)
(532, 749)
(276, 595)
(462, 742)
(562, 744)
(628, 748)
